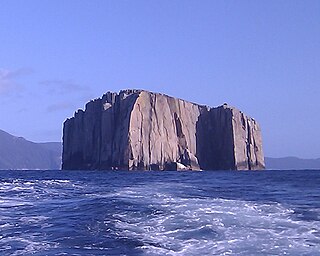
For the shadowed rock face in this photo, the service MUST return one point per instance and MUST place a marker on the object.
(140, 130)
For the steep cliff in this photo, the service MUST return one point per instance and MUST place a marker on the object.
(140, 130)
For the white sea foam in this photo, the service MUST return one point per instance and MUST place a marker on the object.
(7, 202)
(55, 182)
(194, 226)
(19, 204)
(33, 219)
(27, 246)
(162, 218)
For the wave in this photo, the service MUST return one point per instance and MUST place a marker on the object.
(62, 216)
(213, 226)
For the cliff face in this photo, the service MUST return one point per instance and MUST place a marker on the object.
(140, 130)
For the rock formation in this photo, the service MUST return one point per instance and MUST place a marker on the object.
(141, 130)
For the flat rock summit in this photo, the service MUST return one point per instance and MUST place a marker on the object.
(141, 130)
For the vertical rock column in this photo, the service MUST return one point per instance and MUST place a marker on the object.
(162, 132)
(248, 151)
(82, 138)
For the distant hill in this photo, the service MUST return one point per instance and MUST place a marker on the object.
(291, 163)
(19, 153)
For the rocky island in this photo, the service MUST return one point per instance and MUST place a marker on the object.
(141, 130)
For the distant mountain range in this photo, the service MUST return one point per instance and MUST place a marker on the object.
(291, 163)
(19, 153)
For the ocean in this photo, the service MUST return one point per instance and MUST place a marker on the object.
(160, 213)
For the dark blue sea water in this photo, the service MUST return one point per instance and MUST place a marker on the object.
(159, 213)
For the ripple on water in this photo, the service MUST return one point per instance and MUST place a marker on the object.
(213, 226)
(63, 217)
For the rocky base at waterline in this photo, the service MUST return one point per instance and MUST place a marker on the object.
(141, 130)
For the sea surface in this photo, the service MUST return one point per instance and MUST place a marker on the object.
(160, 213)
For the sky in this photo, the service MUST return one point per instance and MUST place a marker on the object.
(262, 57)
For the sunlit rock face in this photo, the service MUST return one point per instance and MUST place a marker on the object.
(141, 130)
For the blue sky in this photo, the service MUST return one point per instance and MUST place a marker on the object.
(260, 56)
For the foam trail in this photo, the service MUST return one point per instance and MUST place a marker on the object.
(193, 226)
(153, 213)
